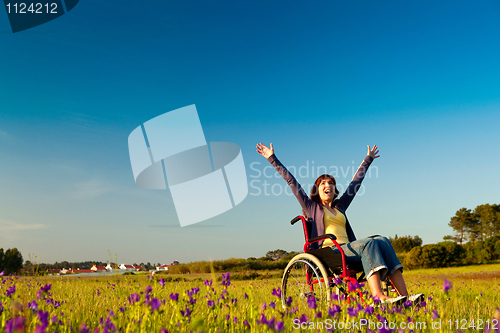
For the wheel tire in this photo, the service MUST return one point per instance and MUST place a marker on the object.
(294, 281)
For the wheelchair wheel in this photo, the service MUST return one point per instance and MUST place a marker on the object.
(295, 279)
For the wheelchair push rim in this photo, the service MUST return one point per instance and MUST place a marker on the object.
(305, 276)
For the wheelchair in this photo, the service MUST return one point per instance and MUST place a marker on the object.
(322, 272)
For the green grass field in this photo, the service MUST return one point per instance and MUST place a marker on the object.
(139, 303)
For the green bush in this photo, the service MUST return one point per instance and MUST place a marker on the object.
(405, 243)
(443, 254)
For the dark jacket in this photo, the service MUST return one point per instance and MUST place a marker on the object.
(313, 209)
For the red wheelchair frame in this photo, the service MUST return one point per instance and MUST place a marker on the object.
(347, 275)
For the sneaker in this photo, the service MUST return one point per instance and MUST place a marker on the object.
(417, 298)
(394, 301)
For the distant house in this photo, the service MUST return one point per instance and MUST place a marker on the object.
(127, 268)
(163, 267)
(111, 267)
(98, 269)
(78, 271)
(53, 271)
(66, 271)
(139, 268)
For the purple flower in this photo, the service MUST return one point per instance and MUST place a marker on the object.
(133, 298)
(435, 314)
(264, 306)
(83, 328)
(270, 323)
(279, 326)
(57, 304)
(43, 317)
(208, 283)
(163, 330)
(46, 288)
(11, 290)
(2, 273)
(225, 279)
(262, 319)
(155, 304)
(15, 324)
(337, 280)
(245, 296)
(272, 305)
(32, 305)
(162, 282)
(277, 292)
(288, 301)
(192, 301)
(369, 310)
(355, 285)
(245, 322)
(319, 314)
(174, 297)
(210, 303)
(186, 313)
(228, 317)
(235, 319)
(148, 290)
(352, 312)
(446, 285)
(334, 310)
(311, 302)
(193, 291)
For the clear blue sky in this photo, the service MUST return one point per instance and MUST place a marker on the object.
(321, 80)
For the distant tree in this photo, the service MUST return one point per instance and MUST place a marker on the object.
(276, 254)
(489, 220)
(465, 225)
(405, 243)
(1, 260)
(11, 261)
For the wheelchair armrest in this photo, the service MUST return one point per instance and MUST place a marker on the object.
(325, 236)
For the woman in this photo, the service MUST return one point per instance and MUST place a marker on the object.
(327, 213)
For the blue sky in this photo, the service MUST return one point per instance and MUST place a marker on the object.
(320, 80)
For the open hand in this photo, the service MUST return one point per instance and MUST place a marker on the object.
(265, 151)
(373, 152)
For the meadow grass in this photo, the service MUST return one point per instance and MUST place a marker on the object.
(142, 303)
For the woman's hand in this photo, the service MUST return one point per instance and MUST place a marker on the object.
(373, 152)
(265, 151)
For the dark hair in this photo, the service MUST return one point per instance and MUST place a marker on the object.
(315, 190)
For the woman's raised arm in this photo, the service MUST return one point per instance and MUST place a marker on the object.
(346, 198)
(264, 151)
(297, 190)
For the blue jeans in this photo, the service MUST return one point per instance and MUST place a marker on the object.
(375, 254)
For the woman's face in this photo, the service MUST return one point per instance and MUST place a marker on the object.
(326, 189)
